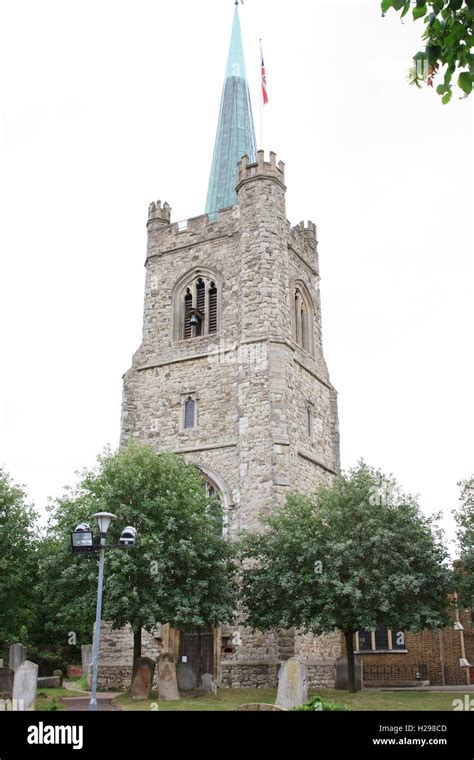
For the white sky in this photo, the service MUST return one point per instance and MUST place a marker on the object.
(106, 106)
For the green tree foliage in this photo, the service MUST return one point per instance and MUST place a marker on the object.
(449, 39)
(18, 550)
(180, 571)
(465, 521)
(357, 554)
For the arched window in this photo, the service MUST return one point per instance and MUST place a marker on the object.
(189, 413)
(303, 318)
(216, 488)
(200, 308)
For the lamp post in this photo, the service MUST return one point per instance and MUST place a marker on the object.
(82, 542)
(104, 519)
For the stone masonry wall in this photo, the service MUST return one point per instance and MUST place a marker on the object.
(251, 381)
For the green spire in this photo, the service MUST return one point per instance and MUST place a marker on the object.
(235, 130)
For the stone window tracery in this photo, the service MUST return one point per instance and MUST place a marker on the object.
(303, 318)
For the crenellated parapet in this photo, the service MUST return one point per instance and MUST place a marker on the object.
(158, 213)
(167, 237)
(309, 232)
(248, 170)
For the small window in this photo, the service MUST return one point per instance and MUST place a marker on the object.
(309, 420)
(189, 413)
(302, 319)
(381, 638)
(398, 640)
(365, 640)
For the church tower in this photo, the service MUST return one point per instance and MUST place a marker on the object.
(231, 373)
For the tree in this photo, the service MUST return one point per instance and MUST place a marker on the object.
(356, 554)
(465, 521)
(180, 571)
(449, 38)
(18, 546)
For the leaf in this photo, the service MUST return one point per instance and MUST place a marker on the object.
(446, 98)
(405, 10)
(420, 11)
(442, 89)
(465, 82)
(386, 4)
(455, 4)
(438, 5)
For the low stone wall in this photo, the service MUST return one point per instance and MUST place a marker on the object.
(321, 675)
(114, 678)
(237, 674)
(249, 675)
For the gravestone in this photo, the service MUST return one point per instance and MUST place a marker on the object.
(143, 678)
(292, 684)
(6, 683)
(17, 656)
(167, 679)
(187, 676)
(59, 674)
(342, 673)
(208, 686)
(49, 682)
(25, 684)
(86, 655)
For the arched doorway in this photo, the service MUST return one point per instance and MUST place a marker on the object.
(199, 647)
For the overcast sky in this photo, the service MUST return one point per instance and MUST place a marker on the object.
(106, 106)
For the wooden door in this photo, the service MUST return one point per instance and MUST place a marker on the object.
(198, 647)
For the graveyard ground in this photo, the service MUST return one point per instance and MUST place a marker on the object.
(229, 699)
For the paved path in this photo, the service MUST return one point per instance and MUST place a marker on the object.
(104, 699)
(104, 704)
(454, 689)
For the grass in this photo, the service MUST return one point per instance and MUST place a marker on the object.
(50, 699)
(229, 699)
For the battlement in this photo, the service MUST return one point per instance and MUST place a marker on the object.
(167, 237)
(159, 213)
(309, 231)
(262, 168)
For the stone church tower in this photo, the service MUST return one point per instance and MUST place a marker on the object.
(231, 373)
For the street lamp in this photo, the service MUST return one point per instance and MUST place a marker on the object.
(104, 519)
(82, 542)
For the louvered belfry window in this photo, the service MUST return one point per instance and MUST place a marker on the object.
(201, 308)
(188, 305)
(213, 308)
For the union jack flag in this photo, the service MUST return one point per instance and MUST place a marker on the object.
(264, 83)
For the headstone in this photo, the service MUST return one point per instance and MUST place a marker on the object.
(187, 676)
(24, 685)
(292, 684)
(59, 674)
(75, 671)
(260, 707)
(208, 686)
(143, 678)
(17, 656)
(167, 679)
(49, 682)
(342, 673)
(6, 683)
(86, 655)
